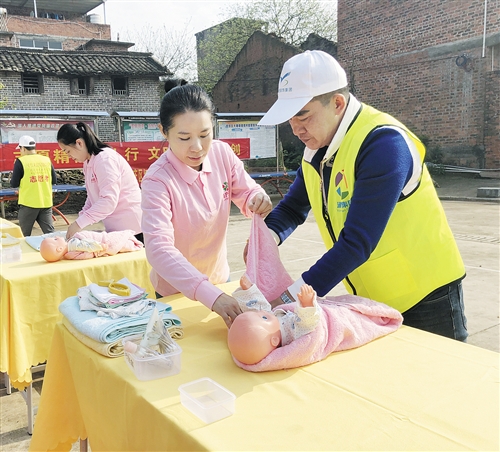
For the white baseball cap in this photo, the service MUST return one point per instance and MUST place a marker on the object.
(26, 142)
(303, 77)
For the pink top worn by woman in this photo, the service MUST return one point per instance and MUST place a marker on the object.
(189, 241)
(113, 193)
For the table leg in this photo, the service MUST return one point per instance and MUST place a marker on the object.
(27, 394)
(6, 382)
(84, 445)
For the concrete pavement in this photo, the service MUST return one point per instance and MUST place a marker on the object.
(476, 229)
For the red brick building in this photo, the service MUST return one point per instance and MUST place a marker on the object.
(433, 66)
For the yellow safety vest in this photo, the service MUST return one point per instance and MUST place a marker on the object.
(417, 252)
(35, 189)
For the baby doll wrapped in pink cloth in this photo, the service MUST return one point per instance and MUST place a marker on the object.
(347, 321)
(89, 244)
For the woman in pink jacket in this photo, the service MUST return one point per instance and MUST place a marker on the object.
(113, 193)
(186, 201)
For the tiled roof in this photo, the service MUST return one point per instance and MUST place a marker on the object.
(81, 63)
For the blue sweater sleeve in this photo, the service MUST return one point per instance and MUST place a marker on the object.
(383, 167)
(292, 210)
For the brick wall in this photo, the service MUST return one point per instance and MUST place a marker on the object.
(62, 29)
(144, 95)
(492, 122)
(251, 82)
(422, 62)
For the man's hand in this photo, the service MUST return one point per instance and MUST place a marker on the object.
(260, 204)
(227, 307)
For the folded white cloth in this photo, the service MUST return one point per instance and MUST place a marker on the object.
(139, 307)
(103, 295)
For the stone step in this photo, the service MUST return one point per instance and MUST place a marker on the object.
(488, 192)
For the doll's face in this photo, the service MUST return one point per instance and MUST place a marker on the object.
(253, 335)
(53, 248)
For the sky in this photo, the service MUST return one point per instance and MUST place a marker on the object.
(125, 14)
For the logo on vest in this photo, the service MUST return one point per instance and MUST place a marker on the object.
(342, 191)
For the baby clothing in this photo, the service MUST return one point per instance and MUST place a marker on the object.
(293, 324)
(87, 245)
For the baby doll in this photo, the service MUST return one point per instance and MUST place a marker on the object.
(89, 244)
(258, 331)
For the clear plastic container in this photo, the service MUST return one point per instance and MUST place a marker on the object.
(207, 399)
(11, 253)
(152, 367)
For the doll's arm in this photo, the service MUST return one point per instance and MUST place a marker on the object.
(307, 312)
(306, 296)
(249, 297)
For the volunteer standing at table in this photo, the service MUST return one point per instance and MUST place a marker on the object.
(186, 202)
(34, 174)
(363, 176)
(113, 193)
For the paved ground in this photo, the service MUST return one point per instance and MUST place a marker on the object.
(474, 222)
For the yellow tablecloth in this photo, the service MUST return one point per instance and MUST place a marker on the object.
(32, 290)
(8, 227)
(410, 390)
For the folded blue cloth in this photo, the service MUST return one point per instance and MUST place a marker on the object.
(106, 329)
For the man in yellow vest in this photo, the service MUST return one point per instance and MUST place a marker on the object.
(363, 176)
(34, 174)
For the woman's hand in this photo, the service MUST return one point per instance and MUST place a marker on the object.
(72, 230)
(227, 307)
(260, 204)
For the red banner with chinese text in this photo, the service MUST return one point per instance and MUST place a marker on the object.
(140, 155)
(240, 146)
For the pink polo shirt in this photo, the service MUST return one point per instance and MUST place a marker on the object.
(185, 220)
(113, 193)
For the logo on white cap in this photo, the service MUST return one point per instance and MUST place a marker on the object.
(303, 77)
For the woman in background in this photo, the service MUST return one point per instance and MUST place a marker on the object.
(113, 193)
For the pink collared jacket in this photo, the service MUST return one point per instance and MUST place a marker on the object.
(113, 193)
(185, 220)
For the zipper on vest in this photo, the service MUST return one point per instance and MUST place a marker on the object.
(326, 217)
(324, 203)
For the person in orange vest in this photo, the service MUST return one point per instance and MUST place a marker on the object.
(34, 175)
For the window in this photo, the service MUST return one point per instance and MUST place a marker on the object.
(495, 57)
(39, 44)
(120, 86)
(82, 86)
(32, 83)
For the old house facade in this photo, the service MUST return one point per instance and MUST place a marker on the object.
(434, 65)
(251, 82)
(66, 63)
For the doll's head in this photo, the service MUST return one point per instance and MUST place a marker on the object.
(253, 335)
(53, 249)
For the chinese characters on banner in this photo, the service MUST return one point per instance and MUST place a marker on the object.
(240, 146)
(140, 155)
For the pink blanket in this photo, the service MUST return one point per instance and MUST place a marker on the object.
(113, 243)
(264, 267)
(348, 321)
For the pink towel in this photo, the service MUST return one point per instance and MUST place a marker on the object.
(113, 243)
(348, 321)
(264, 267)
